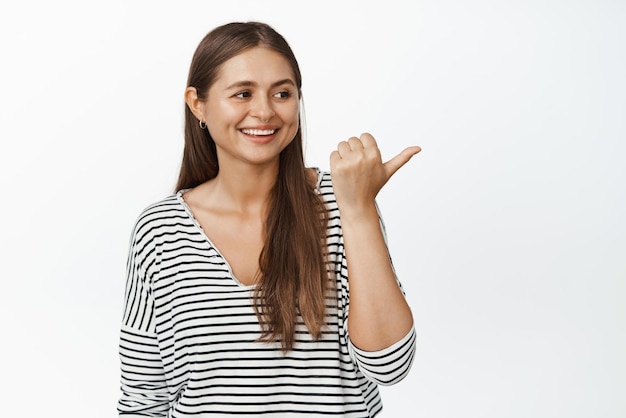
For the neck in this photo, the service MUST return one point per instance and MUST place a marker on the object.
(245, 188)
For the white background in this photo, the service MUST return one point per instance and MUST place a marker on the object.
(507, 231)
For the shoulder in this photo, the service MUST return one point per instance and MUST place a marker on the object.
(158, 215)
(320, 179)
(324, 189)
(325, 186)
(324, 180)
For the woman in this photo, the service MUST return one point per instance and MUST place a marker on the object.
(237, 295)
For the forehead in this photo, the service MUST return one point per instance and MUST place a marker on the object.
(258, 64)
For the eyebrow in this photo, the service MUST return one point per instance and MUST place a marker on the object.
(246, 83)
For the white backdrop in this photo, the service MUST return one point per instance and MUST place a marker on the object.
(507, 231)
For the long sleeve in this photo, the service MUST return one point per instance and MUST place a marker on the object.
(143, 384)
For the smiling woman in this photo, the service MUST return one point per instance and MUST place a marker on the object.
(253, 101)
(243, 284)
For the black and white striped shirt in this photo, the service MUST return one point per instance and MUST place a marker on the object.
(189, 334)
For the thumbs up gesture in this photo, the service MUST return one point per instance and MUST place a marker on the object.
(358, 172)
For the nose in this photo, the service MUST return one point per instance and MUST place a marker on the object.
(262, 109)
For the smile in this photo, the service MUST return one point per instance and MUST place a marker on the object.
(259, 132)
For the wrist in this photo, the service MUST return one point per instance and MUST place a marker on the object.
(358, 213)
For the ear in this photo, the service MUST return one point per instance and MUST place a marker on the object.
(195, 104)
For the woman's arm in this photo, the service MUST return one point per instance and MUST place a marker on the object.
(379, 315)
(143, 384)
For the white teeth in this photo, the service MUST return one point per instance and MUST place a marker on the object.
(258, 131)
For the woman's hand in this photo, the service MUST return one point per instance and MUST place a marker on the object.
(359, 173)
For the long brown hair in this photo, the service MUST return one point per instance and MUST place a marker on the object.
(294, 280)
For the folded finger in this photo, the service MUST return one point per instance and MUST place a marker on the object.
(355, 144)
(368, 140)
(343, 148)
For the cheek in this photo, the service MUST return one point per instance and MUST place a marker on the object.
(293, 124)
(221, 117)
(291, 115)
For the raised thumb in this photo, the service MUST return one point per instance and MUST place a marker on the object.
(399, 160)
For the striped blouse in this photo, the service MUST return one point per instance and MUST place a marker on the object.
(189, 334)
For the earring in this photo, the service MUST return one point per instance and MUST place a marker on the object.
(202, 124)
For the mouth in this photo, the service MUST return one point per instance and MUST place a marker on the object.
(259, 132)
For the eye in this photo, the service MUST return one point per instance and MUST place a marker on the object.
(283, 94)
(243, 94)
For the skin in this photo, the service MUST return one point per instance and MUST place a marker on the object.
(256, 90)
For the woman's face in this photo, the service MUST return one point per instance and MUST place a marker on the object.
(252, 108)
